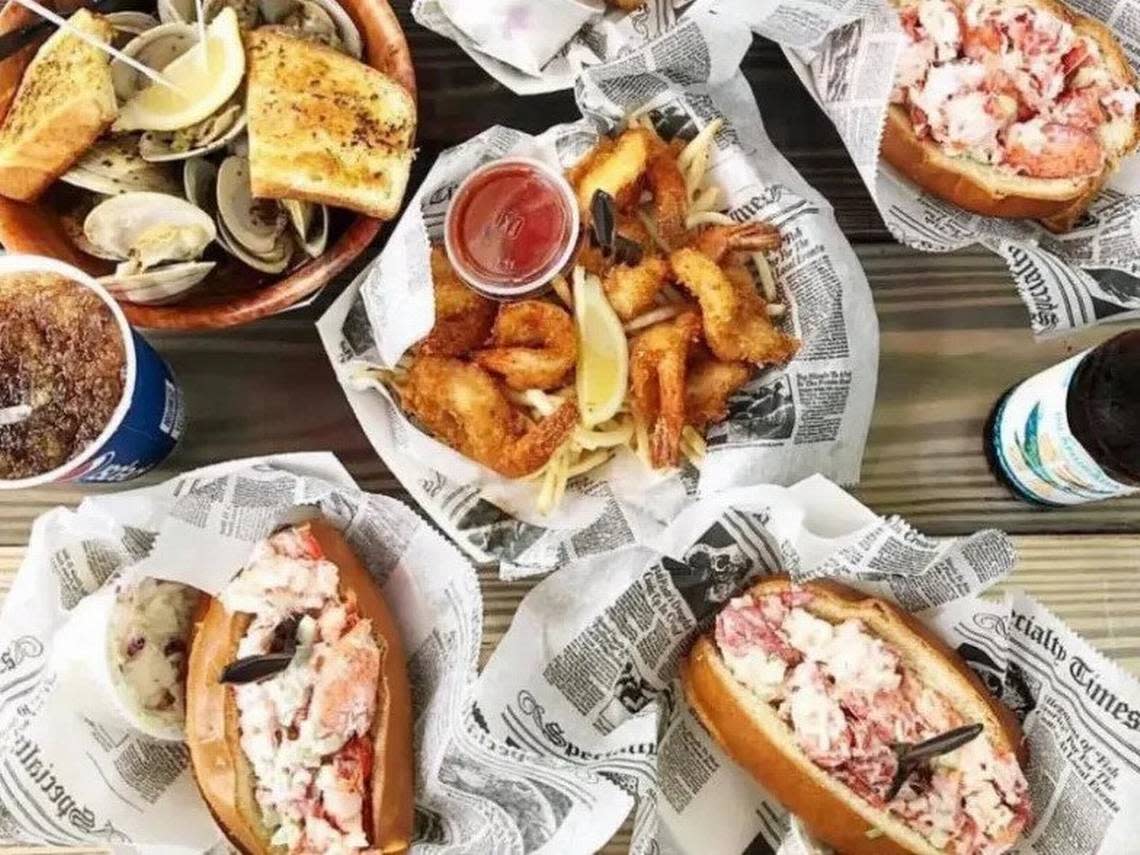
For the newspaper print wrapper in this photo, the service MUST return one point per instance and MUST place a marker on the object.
(811, 417)
(534, 46)
(586, 676)
(845, 54)
(67, 781)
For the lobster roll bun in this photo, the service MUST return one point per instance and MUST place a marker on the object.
(1010, 108)
(308, 746)
(811, 688)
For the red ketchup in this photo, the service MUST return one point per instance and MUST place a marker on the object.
(511, 226)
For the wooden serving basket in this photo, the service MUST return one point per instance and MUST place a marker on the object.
(233, 294)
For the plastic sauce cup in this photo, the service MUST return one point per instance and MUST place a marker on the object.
(149, 418)
(511, 226)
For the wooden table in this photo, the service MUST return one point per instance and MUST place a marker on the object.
(954, 336)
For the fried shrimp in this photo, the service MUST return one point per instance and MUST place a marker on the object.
(632, 290)
(709, 383)
(657, 384)
(734, 315)
(670, 195)
(616, 167)
(718, 241)
(533, 345)
(465, 407)
(463, 318)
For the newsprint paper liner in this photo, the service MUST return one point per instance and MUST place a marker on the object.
(533, 46)
(67, 781)
(811, 417)
(587, 674)
(845, 53)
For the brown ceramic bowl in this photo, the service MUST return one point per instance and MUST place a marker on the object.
(235, 294)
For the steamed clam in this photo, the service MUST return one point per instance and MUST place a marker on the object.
(114, 165)
(161, 285)
(144, 230)
(323, 21)
(254, 230)
(198, 139)
(186, 11)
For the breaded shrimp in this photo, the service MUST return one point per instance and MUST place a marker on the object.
(657, 383)
(709, 383)
(463, 317)
(734, 315)
(717, 241)
(534, 345)
(466, 408)
(670, 196)
(632, 290)
(615, 166)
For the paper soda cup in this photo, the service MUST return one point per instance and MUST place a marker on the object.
(149, 418)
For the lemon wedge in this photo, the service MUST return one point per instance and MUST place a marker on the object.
(202, 80)
(603, 353)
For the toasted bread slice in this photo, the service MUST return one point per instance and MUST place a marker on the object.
(325, 127)
(1057, 202)
(755, 736)
(65, 101)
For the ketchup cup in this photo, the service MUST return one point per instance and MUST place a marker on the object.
(511, 226)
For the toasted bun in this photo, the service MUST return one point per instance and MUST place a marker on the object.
(65, 100)
(325, 127)
(752, 733)
(1057, 202)
(225, 776)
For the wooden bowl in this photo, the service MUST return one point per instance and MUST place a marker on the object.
(233, 294)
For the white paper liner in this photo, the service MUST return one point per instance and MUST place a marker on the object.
(845, 54)
(587, 673)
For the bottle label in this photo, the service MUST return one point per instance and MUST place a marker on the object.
(1036, 448)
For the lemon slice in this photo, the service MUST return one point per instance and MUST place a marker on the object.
(603, 353)
(202, 80)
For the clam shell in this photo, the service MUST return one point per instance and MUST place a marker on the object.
(255, 224)
(323, 22)
(208, 135)
(186, 11)
(127, 25)
(165, 284)
(350, 38)
(156, 48)
(149, 229)
(274, 10)
(176, 11)
(113, 165)
(310, 21)
(310, 224)
(248, 13)
(274, 261)
(199, 184)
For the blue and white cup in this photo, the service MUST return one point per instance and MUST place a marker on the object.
(149, 418)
